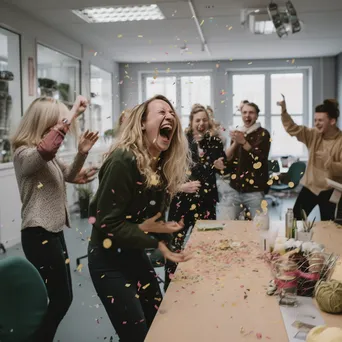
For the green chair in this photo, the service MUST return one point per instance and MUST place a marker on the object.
(23, 300)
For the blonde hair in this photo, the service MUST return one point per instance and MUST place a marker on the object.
(173, 163)
(198, 108)
(42, 114)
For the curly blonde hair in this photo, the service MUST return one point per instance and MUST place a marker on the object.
(174, 162)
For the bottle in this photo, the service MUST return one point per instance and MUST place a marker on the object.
(289, 217)
(295, 230)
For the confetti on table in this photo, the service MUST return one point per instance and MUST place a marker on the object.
(107, 243)
(259, 336)
(92, 220)
(45, 242)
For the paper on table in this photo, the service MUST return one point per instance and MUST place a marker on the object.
(305, 312)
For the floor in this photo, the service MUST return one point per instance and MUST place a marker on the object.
(86, 320)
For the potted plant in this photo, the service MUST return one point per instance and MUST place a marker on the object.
(84, 194)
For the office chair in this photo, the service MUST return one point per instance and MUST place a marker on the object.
(23, 299)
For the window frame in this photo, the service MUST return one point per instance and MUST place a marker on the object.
(268, 94)
(178, 74)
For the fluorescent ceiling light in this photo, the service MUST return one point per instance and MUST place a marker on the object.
(119, 14)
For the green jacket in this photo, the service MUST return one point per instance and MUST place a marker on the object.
(122, 202)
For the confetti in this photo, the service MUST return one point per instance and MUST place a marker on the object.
(193, 207)
(251, 181)
(67, 261)
(202, 22)
(112, 301)
(79, 268)
(45, 242)
(40, 185)
(120, 36)
(103, 276)
(270, 182)
(257, 165)
(128, 217)
(140, 36)
(233, 176)
(259, 336)
(146, 286)
(293, 61)
(107, 243)
(250, 63)
(124, 322)
(92, 220)
(127, 285)
(291, 184)
(153, 202)
(137, 296)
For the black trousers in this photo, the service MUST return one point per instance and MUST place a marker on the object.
(190, 208)
(128, 288)
(48, 253)
(307, 200)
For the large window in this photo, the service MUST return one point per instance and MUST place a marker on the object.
(59, 77)
(265, 89)
(183, 90)
(10, 90)
(101, 100)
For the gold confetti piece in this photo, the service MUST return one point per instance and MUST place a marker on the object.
(79, 267)
(120, 35)
(67, 261)
(276, 177)
(137, 296)
(230, 28)
(128, 285)
(128, 217)
(188, 173)
(196, 215)
(146, 286)
(193, 207)
(270, 182)
(45, 242)
(257, 165)
(158, 299)
(103, 276)
(107, 243)
(40, 185)
(180, 235)
(291, 184)
(293, 61)
(264, 204)
(140, 36)
(251, 182)
(250, 63)
(206, 191)
(202, 22)
(233, 177)
(154, 180)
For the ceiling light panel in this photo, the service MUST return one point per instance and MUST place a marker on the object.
(120, 14)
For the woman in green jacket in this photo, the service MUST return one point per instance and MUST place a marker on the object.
(145, 167)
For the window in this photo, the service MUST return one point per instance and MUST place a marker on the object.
(101, 101)
(10, 90)
(59, 77)
(265, 89)
(181, 89)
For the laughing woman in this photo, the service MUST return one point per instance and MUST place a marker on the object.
(142, 170)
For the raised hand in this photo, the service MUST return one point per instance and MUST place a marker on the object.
(191, 187)
(86, 175)
(282, 103)
(238, 137)
(87, 141)
(151, 225)
(174, 257)
(79, 106)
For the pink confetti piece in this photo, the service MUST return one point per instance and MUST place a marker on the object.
(156, 307)
(103, 226)
(112, 301)
(259, 336)
(92, 220)
(142, 320)
(139, 183)
(171, 275)
(124, 322)
(113, 191)
(139, 284)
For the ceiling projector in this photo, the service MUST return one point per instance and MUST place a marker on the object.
(281, 19)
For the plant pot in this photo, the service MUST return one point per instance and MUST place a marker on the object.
(84, 207)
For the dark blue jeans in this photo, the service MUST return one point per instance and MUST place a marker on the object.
(48, 253)
(127, 285)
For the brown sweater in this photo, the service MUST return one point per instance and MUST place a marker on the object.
(250, 168)
(41, 180)
(317, 169)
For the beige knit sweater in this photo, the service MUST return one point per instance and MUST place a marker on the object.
(318, 169)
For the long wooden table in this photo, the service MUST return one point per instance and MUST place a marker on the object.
(220, 295)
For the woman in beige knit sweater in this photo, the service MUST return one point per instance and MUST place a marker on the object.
(324, 143)
(41, 178)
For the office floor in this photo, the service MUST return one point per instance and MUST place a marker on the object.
(86, 320)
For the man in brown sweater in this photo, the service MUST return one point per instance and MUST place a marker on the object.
(248, 161)
(324, 143)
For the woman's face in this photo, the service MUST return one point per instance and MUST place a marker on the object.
(159, 126)
(200, 123)
(249, 115)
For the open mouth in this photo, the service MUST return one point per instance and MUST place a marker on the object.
(165, 131)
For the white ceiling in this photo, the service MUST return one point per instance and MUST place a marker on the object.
(320, 36)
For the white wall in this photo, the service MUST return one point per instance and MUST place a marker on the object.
(33, 32)
(322, 77)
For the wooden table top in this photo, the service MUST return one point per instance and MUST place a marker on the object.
(220, 295)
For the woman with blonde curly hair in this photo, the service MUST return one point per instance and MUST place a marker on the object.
(41, 178)
(143, 169)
